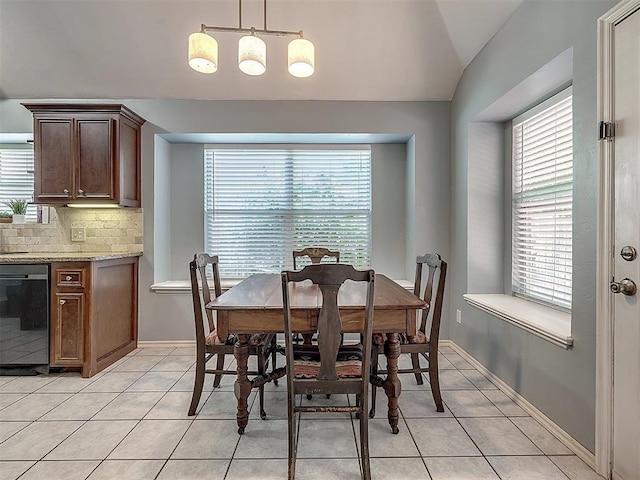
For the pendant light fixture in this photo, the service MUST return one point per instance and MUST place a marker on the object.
(203, 53)
(301, 57)
(252, 51)
(252, 54)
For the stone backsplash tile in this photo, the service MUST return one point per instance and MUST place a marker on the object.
(106, 230)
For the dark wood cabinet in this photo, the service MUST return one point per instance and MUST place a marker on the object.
(86, 153)
(94, 313)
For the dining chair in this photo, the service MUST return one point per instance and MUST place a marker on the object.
(208, 344)
(329, 366)
(425, 343)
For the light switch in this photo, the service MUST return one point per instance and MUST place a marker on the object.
(78, 234)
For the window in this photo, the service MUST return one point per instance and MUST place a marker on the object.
(542, 192)
(16, 178)
(260, 204)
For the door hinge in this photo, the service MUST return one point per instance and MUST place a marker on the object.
(606, 130)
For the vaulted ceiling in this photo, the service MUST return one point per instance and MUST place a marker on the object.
(365, 49)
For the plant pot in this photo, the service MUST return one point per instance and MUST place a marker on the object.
(5, 219)
(18, 218)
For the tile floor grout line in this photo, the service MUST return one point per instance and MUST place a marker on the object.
(474, 442)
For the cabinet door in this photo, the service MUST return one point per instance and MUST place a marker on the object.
(67, 329)
(95, 162)
(54, 153)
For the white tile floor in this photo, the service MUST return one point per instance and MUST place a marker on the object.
(130, 423)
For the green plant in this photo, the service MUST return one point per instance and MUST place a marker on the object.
(6, 215)
(18, 206)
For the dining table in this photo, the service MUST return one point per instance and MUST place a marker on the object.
(255, 306)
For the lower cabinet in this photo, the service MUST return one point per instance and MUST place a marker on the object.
(94, 313)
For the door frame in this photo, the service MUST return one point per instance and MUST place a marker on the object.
(604, 242)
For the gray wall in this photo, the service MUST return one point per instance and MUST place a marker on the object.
(169, 317)
(560, 383)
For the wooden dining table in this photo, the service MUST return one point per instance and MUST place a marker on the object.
(255, 306)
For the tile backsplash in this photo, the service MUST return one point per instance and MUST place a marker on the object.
(106, 230)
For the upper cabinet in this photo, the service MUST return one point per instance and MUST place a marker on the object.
(86, 153)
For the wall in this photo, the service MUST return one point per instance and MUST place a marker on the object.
(388, 210)
(165, 317)
(169, 316)
(560, 383)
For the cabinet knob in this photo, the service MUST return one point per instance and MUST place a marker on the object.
(80, 191)
(68, 278)
(62, 302)
(66, 191)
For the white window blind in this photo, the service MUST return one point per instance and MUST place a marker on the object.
(262, 204)
(16, 178)
(542, 204)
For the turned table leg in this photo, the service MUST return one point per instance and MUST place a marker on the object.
(242, 386)
(391, 384)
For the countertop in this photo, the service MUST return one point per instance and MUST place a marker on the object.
(47, 257)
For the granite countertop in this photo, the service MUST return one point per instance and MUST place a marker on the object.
(45, 257)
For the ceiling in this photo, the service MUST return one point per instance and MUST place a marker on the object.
(387, 50)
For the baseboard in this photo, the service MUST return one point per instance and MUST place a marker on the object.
(571, 443)
(165, 343)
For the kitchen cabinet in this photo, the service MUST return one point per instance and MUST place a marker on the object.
(86, 153)
(94, 313)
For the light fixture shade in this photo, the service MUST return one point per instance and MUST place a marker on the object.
(203, 53)
(301, 58)
(252, 55)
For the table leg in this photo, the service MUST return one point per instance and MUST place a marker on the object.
(391, 384)
(242, 387)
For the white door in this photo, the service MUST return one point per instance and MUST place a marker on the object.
(626, 305)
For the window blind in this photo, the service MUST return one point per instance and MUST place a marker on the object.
(262, 204)
(16, 179)
(542, 205)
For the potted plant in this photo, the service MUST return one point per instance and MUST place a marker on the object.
(19, 209)
(6, 217)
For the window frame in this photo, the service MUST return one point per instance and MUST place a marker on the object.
(556, 300)
(13, 189)
(287, 211)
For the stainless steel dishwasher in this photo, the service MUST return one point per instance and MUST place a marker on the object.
(24, 319)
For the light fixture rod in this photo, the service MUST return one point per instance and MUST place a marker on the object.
(265, 14)
(265, 31)
(281, 33)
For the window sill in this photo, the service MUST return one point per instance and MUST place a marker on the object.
(184, 286)
(544, 322)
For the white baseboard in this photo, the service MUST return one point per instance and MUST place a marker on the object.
(571, 443)
(165, 343)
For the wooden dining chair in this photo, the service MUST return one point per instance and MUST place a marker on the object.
(328, 366)
(208, 344)
(425, 343)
